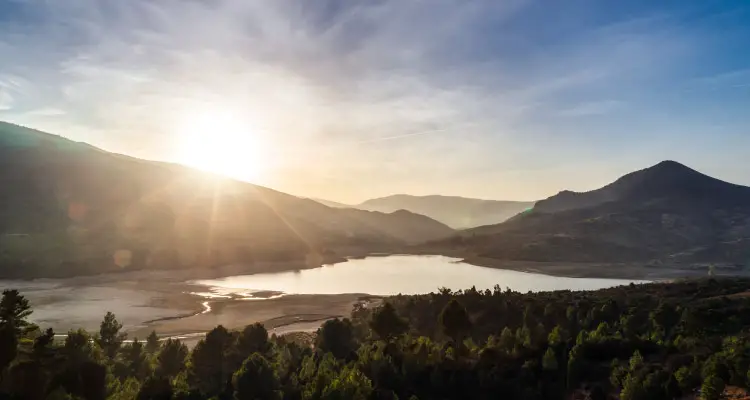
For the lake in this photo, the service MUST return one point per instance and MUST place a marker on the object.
(405, 274)
(138, 297)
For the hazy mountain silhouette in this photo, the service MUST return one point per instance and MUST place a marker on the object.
(668, 213)
(332, 204)
(69, 208)
(666, 180)
(457, 212)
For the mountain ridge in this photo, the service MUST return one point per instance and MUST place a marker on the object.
(664, 214)
(668, 178)
(75, 209)
(455, 211)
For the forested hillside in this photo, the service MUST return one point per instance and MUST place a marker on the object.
(655, 341)
(68, 208)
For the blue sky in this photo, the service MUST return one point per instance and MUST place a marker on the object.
(347, 99)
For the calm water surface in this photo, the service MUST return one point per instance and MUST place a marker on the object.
(405, 274)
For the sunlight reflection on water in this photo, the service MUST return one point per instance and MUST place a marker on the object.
(405, 274)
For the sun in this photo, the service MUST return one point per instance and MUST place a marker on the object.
(219, 142)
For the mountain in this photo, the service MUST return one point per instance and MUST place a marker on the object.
(457, 212)
(69, 208)
(665, 214)
(332, 204)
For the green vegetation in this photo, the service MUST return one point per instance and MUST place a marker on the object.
(656, 341)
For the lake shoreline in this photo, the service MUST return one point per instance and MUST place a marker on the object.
(173, 304)
(601, 270)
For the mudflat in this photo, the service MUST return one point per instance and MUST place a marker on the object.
(164, 301)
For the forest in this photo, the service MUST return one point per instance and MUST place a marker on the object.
(682, 339)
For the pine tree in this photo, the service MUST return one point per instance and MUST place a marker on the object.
(256, 379)
(387, 324)
(171, 359)
(455, 321)
(549, 361)
(152, 343)
(14, 309)
(110, 339)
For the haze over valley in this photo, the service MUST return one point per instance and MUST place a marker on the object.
(456, 212)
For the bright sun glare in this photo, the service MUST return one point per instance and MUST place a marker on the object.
(219, 142)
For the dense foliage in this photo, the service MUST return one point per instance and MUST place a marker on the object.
(655, 341)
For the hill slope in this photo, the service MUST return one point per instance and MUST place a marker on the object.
(457, 212)
(332, 204)
(666, 214)
(70, 208)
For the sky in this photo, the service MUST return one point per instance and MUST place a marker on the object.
(351, 99)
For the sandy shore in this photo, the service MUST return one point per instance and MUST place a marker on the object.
(291, 312)
(163, 301)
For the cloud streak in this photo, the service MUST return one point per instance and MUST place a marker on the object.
(592, 108)
(319, 79)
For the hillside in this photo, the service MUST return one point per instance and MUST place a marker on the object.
(665, 214)
(457, 212)
(69, 208)
(332, 204)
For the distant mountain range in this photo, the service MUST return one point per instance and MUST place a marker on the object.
(665, 214)
(69, 208)
(456, 212)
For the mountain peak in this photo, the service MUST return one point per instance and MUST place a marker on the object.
(669, 164)
(667, 177)
(670, 167)
(665, 180)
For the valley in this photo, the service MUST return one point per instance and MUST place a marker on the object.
(374, 200)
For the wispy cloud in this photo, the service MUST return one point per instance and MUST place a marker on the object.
(592, 108)
(728, 79)
(321, 78)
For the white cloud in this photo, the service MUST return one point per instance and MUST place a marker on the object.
(330, 82)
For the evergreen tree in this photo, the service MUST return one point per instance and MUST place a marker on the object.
(455, 321)
(557, 337)
(350, 384)
(78, 348)
(8, 348)
(135, 360)
(155, 388)
(171, 359)
(549, 361)
(253, 339)
(208, 370)
(337, 337)
(387, 324)
(43, 343)
(256, 379)
(507, 340)
(14, 310)
(127, 390)
(110, 338)
(152, 343)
